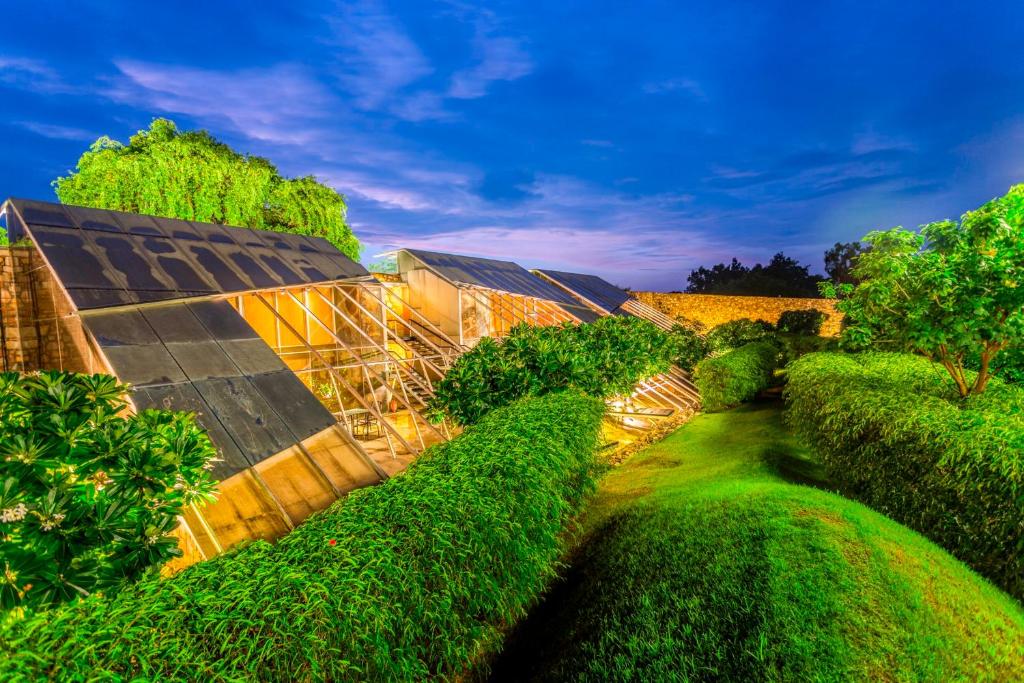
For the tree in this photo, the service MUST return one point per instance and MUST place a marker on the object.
(783, 276)
(88, 495)
(192, 176)
(840, 260)
(953, 292)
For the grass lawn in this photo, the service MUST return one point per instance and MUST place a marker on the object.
(700, 558)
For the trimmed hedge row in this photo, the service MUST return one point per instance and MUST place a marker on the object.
(893, 434)
(736, 376)
(404, 581)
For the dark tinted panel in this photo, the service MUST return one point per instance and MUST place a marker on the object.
(138, 224)
(503, 276)
(590, 287)
(302, 412)
(255, 426)
(152, 259)
(131, 263)
(252, 356)
(227, 279)
(72, 258)
(98, 298)
(254, 271)
(185, 277)
(94, 219)
(185, 398)
(43, 213)
(222, 321)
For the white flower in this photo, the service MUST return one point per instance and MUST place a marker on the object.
(14, 514)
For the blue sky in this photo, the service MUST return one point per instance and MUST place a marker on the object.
(634, 140)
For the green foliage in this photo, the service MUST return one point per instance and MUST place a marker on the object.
(88, 495)
(409, 580)
(192, 176)
(604, 358)
(841, 259)
(895, 435)
(951, 292)
(736, 333)
(736, 376)
(691, 346)
(796, 345)
(701, 561)
(783, 276)
(801, 322)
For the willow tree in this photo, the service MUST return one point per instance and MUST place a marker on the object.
(191, 175)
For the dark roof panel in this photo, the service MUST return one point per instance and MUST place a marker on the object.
(204, 357)
(109, 258)
(503, 276)
(590, 288)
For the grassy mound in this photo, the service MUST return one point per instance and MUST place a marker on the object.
(701, 560)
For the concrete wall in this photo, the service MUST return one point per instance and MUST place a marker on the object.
(715, 309)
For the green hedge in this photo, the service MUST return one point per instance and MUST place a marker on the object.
(408, 580)
(603, 358)
(893, 434)
(736, 376)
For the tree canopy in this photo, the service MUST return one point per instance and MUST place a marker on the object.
(953, 291)
(840, 260)
(192, 176)
(783, 276)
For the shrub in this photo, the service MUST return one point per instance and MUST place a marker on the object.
(796, 345)
(88, 495)
(736, 376)
(801, 322)
(604, 358)
(736, 333)
(408, 580)
(691, 347)
(894, 434)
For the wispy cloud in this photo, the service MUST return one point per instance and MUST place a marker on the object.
(379, 59)
(501, 58)
(283, 103)
(56, 132)
(678, 84)
(34, 75)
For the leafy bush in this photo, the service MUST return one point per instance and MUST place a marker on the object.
(894, 434)
(801, 322)
(949, 292)
(736, 333)
(691, 346)
(88, 495)
(736, 376)
(603, 358)
(796, 345)
(409, 580)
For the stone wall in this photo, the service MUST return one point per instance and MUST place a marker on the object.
(39, 330)
(715, 309)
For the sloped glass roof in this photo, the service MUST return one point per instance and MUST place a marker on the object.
(590, 288)
(203, 357)
(110, 258)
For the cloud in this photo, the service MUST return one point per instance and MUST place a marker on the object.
(379, 58)
(56, 132)
(33, 75)
(282, 104)
(500, 59)
(670, 85)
